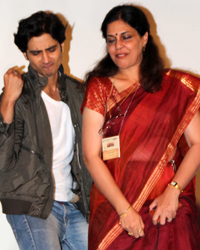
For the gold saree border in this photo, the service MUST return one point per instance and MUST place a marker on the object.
(190, 81)
(194, 85)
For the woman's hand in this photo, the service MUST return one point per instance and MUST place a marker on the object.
(132, 222)
(165, 205)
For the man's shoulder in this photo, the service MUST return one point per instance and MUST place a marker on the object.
(73, 85)
(72, 80)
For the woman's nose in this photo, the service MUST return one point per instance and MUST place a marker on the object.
(118, 43)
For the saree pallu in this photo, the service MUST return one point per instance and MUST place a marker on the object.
(150, 134)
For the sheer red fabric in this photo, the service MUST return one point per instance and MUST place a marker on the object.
(150, 134)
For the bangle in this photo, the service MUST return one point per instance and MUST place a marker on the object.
(125, 211)
(175, 185)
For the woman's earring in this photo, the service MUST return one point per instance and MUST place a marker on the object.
(144, 47)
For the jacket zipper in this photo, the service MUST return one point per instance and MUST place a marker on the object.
(32, 152)
(83, 191)
(77, 150)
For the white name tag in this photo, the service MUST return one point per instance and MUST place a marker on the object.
(111, 148)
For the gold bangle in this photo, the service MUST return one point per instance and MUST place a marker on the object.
(125, 211)
(175, 185)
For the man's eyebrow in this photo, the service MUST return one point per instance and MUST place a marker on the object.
(33, 51)
(51, 47)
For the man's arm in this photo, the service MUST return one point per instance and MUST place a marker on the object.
(13, 85)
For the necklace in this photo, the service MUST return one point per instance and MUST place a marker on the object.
(138, 84)
(118, 105)
(111, 145)
(128, 93)
(128, 108)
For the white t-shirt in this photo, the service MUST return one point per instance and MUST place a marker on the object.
(63, 146)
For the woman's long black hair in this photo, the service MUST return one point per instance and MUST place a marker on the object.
(151, 67)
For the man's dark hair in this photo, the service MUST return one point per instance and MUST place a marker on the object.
(151, 67)
(37, 24)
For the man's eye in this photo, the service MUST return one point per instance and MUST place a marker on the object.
(35, 53)
(52, 49)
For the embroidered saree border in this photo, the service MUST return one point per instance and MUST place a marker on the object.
(190, 81)
(193, 108)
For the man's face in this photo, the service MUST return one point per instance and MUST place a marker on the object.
(44, 54)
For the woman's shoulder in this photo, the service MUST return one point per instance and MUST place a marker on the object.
(102, 83)
(182, 77)
(179, 74)
(96, 94)
(100, 80)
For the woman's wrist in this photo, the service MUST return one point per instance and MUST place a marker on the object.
(122, 207)
(125, 211)
(174, 184)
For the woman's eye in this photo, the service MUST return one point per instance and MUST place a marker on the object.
(126, 37)
(110, 41)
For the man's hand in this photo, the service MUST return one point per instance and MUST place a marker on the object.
(13, 85)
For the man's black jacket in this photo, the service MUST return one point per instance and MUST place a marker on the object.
(26, 181)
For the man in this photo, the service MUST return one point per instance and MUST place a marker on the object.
(43, 181)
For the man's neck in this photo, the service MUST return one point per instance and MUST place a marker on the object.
(52, 88)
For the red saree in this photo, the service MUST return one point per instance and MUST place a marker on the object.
(150, 134)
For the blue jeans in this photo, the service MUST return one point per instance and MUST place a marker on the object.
(65, 228)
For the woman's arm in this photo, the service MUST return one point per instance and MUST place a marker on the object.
(167, 203)
(92, 143)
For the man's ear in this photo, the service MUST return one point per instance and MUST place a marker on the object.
(25, 55)
(62, 47)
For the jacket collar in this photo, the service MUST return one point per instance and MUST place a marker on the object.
(38, 83)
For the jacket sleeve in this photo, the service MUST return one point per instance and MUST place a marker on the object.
(10, 140)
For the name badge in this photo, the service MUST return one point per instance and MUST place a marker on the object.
(111, 148)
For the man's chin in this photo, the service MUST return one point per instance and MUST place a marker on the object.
(46, 74)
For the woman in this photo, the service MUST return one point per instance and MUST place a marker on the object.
(140, 111)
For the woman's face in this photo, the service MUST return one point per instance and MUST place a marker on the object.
(125, 45)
